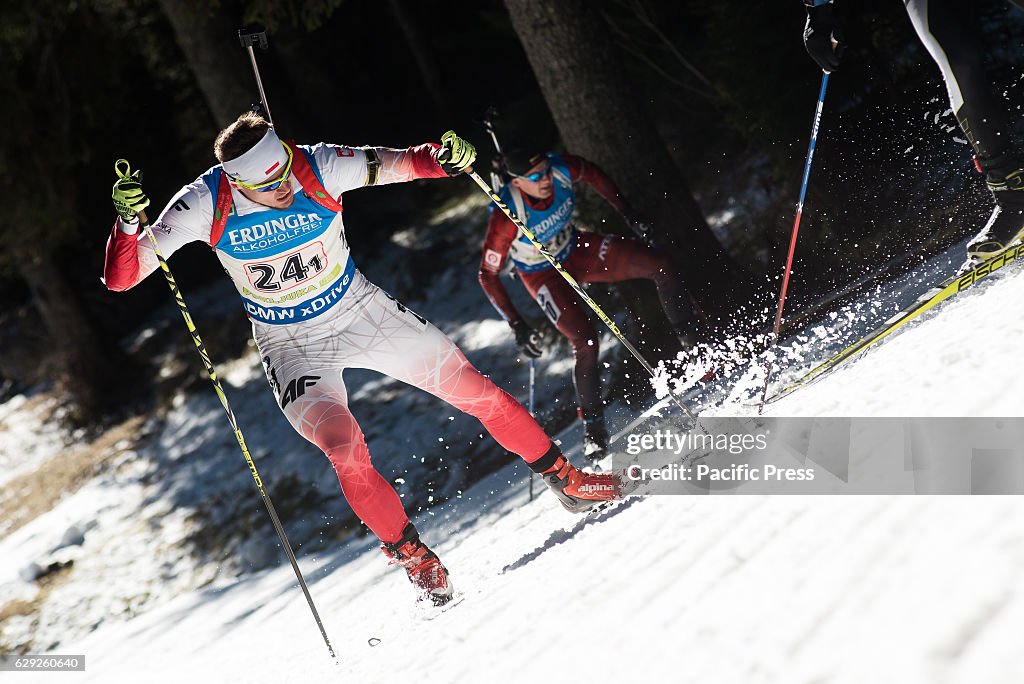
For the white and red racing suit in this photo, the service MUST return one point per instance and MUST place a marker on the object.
(314, 314)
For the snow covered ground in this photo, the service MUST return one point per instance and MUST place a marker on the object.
(696, 588)
(953, 362)
(28, 437)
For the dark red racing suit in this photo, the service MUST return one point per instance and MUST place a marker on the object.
(587, 257)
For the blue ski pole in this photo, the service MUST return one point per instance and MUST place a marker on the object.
(796, 229)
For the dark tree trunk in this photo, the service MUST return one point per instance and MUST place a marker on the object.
(209, 42)
(429, 72)
(600, 117)
(46, 125)
(85, 370)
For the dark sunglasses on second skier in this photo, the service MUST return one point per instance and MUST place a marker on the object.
(535, 176)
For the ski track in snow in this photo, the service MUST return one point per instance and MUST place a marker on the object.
(748, 589)
(723, 588)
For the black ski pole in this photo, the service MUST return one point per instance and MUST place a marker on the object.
(212, 372)
(250, 35)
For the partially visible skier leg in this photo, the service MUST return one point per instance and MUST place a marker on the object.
(949, 31)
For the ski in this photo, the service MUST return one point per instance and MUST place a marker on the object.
(948, 288)
(427, 611)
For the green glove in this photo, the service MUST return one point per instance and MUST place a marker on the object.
(456, 154)
(129, 199)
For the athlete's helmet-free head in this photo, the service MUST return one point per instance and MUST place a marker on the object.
(264, 165)
(255, 160)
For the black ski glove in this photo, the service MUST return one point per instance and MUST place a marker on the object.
(822, 37)
(527, 339)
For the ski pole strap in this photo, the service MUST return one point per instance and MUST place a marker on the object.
(127, 173)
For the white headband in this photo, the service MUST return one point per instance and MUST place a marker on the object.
(263, 162)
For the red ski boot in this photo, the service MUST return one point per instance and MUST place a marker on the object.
(422, 565)
(580, 491)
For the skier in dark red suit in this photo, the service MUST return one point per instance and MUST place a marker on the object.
(540, 193)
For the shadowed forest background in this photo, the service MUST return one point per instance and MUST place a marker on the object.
(700, 111)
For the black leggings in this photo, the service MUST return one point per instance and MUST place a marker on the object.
(949, 31)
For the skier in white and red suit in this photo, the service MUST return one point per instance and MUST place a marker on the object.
(272, 212)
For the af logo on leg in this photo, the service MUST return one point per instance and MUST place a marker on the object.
(297, 387)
